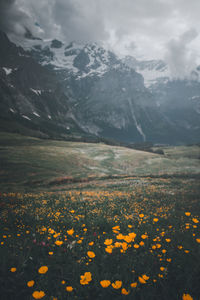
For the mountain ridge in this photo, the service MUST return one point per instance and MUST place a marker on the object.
(85, 90)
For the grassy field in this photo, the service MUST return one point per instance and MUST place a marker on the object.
(27, 163)
(90, 221)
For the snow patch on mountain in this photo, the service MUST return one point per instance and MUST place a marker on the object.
(25, 117)
(36, 114)
(8, 71)
(37, 92)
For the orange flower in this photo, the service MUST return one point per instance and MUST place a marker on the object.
(132, 235)
(187, 213)
(91, 254)
(198, 240)
(30, 283)
(155, 219)
(134, 284)
(125, 292)
(58, 243)
(144, 236)
(108, 250)
(71, 231)
(105, 283)
(38, 294)
(108, 242)
(195, 220)
(141, 280)
(117, 284)
(141, 216)
(168, 240)
(86, 278)
(120, 236)
(187, 297)
(43, 269)
(145, 277)
(91, 244)
(13, 270)
(69, 288)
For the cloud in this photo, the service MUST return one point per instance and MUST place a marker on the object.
(180, 58)
(13, 18)
(142, 28)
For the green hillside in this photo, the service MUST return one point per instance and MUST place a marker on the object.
(28, 162)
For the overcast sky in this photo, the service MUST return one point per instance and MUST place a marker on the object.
(147, 29)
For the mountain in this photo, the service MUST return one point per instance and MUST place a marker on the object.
(153, 71)
(32, 100)
(83, 89)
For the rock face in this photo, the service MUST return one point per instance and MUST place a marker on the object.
(83, 89)
(32, 100)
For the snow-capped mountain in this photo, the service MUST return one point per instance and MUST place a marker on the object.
(153, 71)
(84, 89)
(77, 58)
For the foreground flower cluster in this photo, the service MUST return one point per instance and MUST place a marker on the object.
(101, 245)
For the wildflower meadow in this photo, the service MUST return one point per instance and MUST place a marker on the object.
(141, 242)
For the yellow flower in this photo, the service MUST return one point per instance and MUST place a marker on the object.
(13, 270)
(69, 288)
(30, 283)
(58, 243)
(38, 294)
(125, 292)
(71, 231)
(134, 284)
(187, 297)
(187, 213)
(117, 284)
(168, 240)
(63, 281)
(108, 242)
(43, 269)
(155, 219)
(86, 278)
(50, 252)
(91, 254)
(105, 283)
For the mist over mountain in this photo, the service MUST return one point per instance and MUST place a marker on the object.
(75, 89)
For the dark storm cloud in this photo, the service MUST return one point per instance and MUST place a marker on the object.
(181, 61)
(146, 29)
(12, 19)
